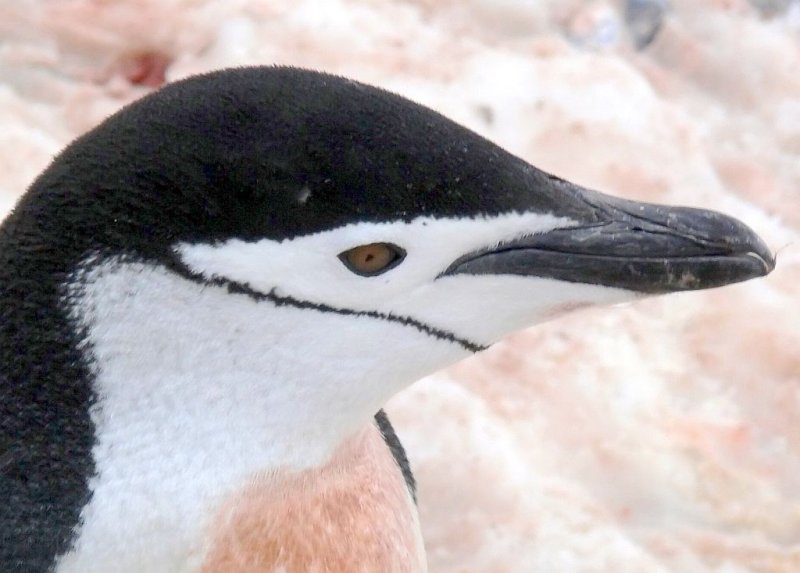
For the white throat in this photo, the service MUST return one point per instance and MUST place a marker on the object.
(200, 390)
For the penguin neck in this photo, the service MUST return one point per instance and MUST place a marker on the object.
(186, 373)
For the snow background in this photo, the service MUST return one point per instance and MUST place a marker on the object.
(657, 437)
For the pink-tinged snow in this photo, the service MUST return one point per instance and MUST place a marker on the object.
(658, 437)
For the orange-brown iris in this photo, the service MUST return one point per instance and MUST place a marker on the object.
(372, 259)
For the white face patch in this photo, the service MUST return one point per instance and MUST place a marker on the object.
(480, 309)
(202, 388)
(199, 391)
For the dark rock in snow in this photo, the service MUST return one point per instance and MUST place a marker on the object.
(644, 18)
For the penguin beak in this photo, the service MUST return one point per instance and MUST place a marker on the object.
(640, 247)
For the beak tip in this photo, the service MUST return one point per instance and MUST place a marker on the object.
(767, 260)
(750, 244)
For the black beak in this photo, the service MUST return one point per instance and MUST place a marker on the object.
(635, 246)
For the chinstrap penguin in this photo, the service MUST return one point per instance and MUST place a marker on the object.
(206, 300)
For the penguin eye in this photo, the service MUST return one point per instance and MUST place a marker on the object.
(373, 259)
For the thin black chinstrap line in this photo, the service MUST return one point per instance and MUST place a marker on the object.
(236, 287)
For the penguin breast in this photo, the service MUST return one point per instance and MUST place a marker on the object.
(354, 513)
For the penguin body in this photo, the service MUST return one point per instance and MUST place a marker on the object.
(207, 299)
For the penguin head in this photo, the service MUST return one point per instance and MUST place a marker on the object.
(329, 194)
